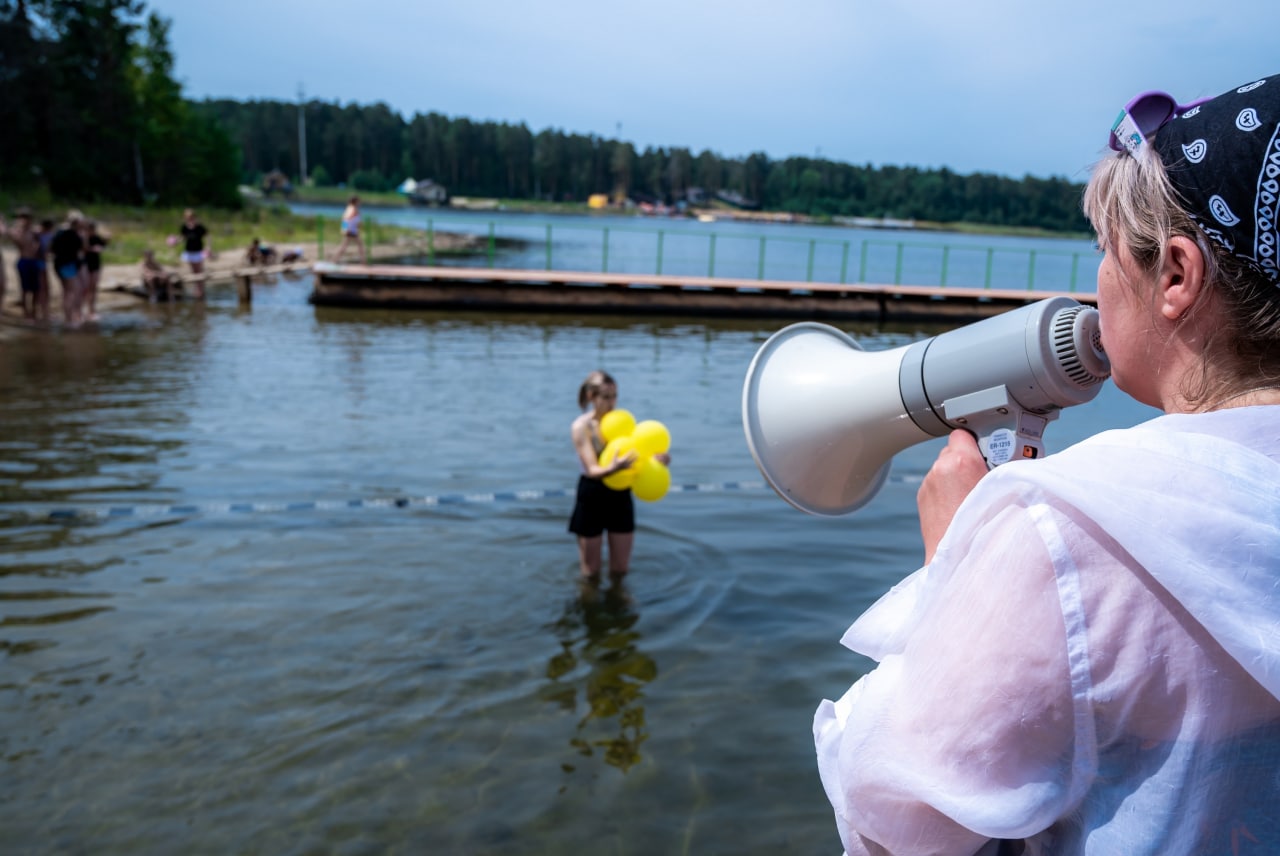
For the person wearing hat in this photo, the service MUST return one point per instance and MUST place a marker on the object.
(1089, 661)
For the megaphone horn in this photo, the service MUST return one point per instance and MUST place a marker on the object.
(824, 418)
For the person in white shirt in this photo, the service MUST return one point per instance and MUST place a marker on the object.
(1089, 661)
(351, 232)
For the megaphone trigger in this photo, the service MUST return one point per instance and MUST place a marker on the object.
(824, 418)
(1005, 431)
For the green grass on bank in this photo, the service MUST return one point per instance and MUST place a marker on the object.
(340, 195)
(392, 199)
(133, 229)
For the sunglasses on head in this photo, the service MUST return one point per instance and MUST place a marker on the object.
(1143, 116)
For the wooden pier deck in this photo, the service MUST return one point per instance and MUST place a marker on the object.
(505, 290)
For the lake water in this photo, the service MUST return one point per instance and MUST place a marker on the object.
(727, 248)
(367, 676)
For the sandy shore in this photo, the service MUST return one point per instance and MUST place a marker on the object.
(116, 277)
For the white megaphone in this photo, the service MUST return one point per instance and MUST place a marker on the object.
(824, 418)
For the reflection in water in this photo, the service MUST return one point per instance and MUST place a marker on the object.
(93, 418)
(600, 653)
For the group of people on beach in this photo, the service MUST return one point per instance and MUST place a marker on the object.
(74, 251)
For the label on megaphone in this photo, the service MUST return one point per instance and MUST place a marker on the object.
(1000, 447)
(824, 418)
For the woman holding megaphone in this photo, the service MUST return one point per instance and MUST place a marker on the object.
(1089, 662)
(617, 456)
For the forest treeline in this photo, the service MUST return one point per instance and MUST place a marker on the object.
(92, 111)
(375, 148)
(90, 108)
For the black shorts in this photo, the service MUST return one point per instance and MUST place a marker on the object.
(599, 508)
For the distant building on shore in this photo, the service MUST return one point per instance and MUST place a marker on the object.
(425, 192)
(277, 182)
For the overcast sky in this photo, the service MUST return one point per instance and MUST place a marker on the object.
(1013, 87)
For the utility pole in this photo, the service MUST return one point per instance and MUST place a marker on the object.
(302, 136)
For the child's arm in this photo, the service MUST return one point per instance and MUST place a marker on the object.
(587, 453)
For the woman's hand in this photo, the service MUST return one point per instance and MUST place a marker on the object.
(959, 467)
(621, 463)
(663, 458)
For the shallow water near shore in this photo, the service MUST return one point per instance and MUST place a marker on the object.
(374, 676)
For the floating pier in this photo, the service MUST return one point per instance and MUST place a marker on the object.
(243, 277)
(483, 289)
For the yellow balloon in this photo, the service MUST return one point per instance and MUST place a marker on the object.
(616, 423)
(619, 448)
(621, 480)
(652, 437)
(652, 481)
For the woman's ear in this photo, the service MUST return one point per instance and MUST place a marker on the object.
(1182, 277)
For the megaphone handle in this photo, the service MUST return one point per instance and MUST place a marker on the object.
(1024, 440)
(1004, 445)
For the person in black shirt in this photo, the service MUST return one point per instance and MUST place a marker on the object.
(193, 247)
(67, 248)
(94, 244)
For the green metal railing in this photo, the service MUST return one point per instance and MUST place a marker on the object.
(622, 249)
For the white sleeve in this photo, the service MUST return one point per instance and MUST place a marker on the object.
(965, 732)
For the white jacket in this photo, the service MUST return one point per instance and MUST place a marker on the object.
(1091, 662)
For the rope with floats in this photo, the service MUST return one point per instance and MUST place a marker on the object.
(447, 500)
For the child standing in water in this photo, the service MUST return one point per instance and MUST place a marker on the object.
(599, 508)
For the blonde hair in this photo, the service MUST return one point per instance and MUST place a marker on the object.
(595, 381)
(1135, 210)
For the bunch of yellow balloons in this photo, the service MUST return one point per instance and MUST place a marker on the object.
(648, 479)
